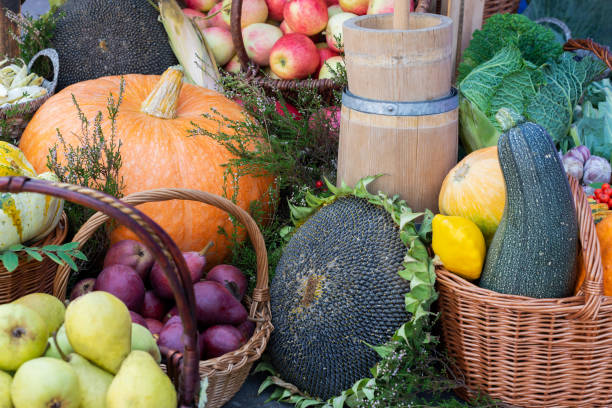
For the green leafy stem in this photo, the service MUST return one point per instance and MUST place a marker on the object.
(60, 254)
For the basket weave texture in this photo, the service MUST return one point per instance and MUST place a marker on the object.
(18, 122)
(226, 374)
(32, 276)
(533, 352)
(490, 7)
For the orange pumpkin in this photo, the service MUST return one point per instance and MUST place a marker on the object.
(604, 235)
(475, 189)
(153, 123)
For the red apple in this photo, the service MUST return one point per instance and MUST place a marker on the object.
(324, 54)
(171, 313)
(138, 319)
(153, 307)
(285, 28)
(294, 56)
(280, 109)
(331, 67)
(198, 17)
(307, 17)
(253, 11)
(195, 263)
(220, 42)
(334, 29)
(233, 65)
(332, 2)
(200, 5)
(123, 282)
(384, 6)
(216, 17)
(82, 287)
(259, 38)
(359, 7)
(155, 326)
(132, 254)
(329, 116)
(275, 9)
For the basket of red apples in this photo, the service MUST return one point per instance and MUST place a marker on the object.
(233, 328)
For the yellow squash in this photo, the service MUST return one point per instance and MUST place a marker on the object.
(25, 216)
(459, 244)
(475, 189)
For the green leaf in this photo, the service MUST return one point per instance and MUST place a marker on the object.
(53, 248)
(594, 126)
(33, 253)
(66, 258)
(69, 246)
(264, 385)
(53, 257)
(10, 261)
(537, 43)
(78, 255)
(553, 105)
(15, 248)
(265, 367)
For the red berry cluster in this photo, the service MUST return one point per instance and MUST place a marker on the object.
(603, 195)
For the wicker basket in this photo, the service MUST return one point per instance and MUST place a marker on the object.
(17, 123)
(227, 373)
(32, 276)
(490, 7)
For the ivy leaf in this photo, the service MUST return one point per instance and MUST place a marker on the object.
(10, 260)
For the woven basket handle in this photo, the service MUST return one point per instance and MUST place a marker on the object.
(54, 58)
(236, 30)
(261, 293)
(156, 239)
(593, 281)
(600, 51)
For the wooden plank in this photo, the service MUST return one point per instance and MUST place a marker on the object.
(472, 21)
(401, 14)
(453, 10)
(8, 46)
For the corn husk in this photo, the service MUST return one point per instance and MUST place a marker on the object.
(189, 46)
(17, 85)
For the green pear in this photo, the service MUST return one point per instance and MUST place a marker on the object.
(94, 382)
(143, 340)
(99, 328)
(62, 342)
(5, 390)
(50, 308)
(141, 383)
(46, 382)
(23, 336)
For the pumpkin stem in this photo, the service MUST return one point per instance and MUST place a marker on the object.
(163, 99)
(507, 118)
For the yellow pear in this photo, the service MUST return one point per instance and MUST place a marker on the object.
(23, 336)
(94, 382)
(5, 390)
(50, 308)
(99, 328)
(142, 339)
(46, 382)
(141, 383)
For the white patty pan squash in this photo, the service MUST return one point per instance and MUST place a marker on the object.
(25, 216)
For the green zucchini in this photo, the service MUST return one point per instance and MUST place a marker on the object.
(533, 252)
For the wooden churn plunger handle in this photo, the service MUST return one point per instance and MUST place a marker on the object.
(401, 14)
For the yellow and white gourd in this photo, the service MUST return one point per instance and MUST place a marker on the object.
(25, 216)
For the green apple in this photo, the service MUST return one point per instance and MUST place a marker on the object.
(62, 342)
(143, 340)
(23, 335)
(5, 390)
(141, 383)
(99, 328)
(50, 308)
(46, 382)
(94, 382)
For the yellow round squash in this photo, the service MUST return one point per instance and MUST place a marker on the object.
(475, 189)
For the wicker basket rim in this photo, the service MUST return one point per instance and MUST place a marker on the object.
(260, 307)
